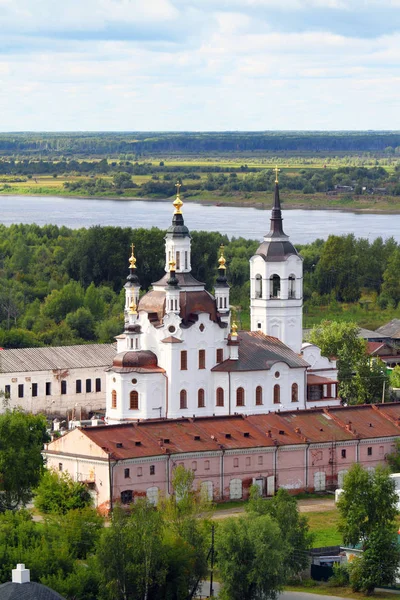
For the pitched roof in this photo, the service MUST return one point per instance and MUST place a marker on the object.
(27, 591)
(57, 357)
(391, 329)
(364, 423)
(372, 347)
(367, 334)
(258, 352)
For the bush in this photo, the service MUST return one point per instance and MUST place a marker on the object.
(58, 494)
(340, 577)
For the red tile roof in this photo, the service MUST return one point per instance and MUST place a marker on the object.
(318, 380)
(372, 347)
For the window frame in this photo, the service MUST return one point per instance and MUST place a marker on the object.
(184, 362)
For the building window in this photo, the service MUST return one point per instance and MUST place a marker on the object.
(194, 465)
(260, 460)
(275, 286)
(48, 388)
(206, 465)
(292, 287)
(20, 390)
(248, 461)
(240, 397)
(200, 399)
(369, 451)
(152, 470)
(64, 387)
(113, 399)
(126, 497)
(98, 384)
(259, 325)
(277, 394)
(258, 286)
(295, 392)
(60, 466)
(134, 400)
(7, 390)
(178, 261)
(202, 359)
(183, 399)
(220, 355)
(186, 260)
(78, 387)
(314, 392)
(88, 386)
(139, 471)
(259, 399)
(126, 473)
(343, 453)
(235, 462)
(34, 390)
(183, 360)
(220, 396)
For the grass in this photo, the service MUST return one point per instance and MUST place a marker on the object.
(232, 504)
(324, 526)
(342, 592)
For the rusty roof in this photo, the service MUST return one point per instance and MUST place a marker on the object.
(318, 380)
(57, 357)
(258, 352)
(319, 425)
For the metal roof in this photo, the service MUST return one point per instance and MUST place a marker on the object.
(258, 352)
(58, 357)
(27, 591)
(391, 329)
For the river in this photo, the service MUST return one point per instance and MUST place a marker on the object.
(303, 226)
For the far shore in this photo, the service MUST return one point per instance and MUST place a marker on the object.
(240, 203)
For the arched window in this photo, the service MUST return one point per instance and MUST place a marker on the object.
(113, 399)
(258, 286)
(183, 399)
(292, 287)
(259, 399)
(134, 400)
(200, 399)
(220, 396)
(277, 394)
(295, 392)
(275, 286)
(240, 397)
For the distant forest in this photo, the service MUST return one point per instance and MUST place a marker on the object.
(153, 143)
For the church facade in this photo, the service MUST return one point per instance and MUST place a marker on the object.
(181, 354)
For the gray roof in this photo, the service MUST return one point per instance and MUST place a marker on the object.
(258, 352)
(27, 591)
(367, 334)
(276, 251)
(391, 329)
(58, 357)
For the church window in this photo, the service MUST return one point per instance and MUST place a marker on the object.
(78, 386)
(202, 359)
(134, 400)
(240, 397)
(277, 375)
(98, 384)
(259, 325)
(295, 392)
(136, 343)
(183, 360)
(131, 343)
(171, 329)
(126, 497)
(178, 261)
(275, 286)
(183, 399)
(225, 302)
(113, 399)
(21, 390)
(186, 260)
(259, 398)
(220, 396)
(63, 387)
(277, 394)
(88, 386)
(258, 286)
(134, 381)
(176, 304)
(48, 388)
(202, 327)
(34, 390)
(220, 355)
(200, 398)
(292, 287)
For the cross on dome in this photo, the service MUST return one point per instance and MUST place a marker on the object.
(276, 174)
(178, 202)
(132, 260)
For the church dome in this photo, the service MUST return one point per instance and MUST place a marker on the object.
(275, 251)
(191, 304)
(135, 359)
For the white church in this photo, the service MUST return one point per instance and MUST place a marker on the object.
(181, 354)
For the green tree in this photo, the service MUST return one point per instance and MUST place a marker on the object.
(61, 302)
(368, 507)
(395, 377)
(391, 280)
(94, 301)
(22, 436)
(81, 323)
(393, 459)
(57, 493)
(250, 558)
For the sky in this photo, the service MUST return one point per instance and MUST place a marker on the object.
(199, 65)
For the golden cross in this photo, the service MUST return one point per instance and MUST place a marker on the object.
(276, 174)
(133, 248)
(178, 187)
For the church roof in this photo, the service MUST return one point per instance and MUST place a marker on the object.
(136, 360)
(258, 352)
(191, 305)
(57, 357)
(184, 280)
(27, 591)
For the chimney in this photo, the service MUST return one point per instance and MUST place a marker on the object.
(348, 426)
(20, 574)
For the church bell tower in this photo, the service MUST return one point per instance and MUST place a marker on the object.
(276, 283)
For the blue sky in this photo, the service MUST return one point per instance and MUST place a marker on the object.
(207, 65)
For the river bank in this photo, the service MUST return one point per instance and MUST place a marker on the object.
(258, 200)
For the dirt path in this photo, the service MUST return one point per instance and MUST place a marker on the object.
(305, 506)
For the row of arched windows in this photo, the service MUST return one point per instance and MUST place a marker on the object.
(275, 286)
(240, 396)
(133, 400)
